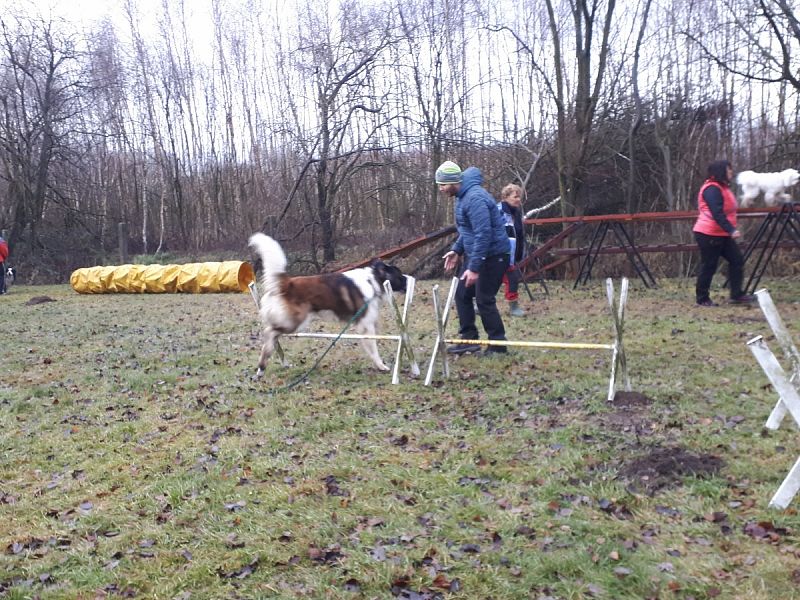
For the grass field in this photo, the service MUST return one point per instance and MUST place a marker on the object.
(141, 460)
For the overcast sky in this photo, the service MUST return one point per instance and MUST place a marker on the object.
(84, 13)
(72, 10)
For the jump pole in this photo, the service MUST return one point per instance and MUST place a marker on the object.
(787, 386)
(787, 345)
(790, 402)
(618, 361)
(402, 338)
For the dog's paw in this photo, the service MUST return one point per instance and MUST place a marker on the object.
(381, 367)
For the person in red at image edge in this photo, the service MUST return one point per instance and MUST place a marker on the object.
(3, 257)
(716, 234)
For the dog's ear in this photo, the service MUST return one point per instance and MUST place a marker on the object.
(378, 265)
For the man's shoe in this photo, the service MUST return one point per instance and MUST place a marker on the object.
(744, 299)
(495, 350)
(514, 309)
(707, 302)
(463, 348)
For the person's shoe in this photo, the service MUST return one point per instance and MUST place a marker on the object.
(707, 302)
(514, 310)
(463, 348)
(743, 299)
(495, 350)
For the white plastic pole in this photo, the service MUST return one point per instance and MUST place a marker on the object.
(618, 359)
(779, 329)
(789, 397)
(789, 350)
(441, 317)
(788, 489)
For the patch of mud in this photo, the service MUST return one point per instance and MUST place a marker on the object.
(666, 467)
(633, 413)
(38, 300)
(756, 318)
(630, 399)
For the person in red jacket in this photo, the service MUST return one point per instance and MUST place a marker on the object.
(716, 234)
(3, 257)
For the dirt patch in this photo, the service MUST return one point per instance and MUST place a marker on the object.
(756, 318)
(666, 467)
(630, 399)
(632, 413)
(38, 300)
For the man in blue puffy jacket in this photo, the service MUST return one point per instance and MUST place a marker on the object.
(484, 246)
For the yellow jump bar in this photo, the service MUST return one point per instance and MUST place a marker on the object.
(563, 345)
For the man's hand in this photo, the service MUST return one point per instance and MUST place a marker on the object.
(736, 234)
(451, 260)
(469, 278)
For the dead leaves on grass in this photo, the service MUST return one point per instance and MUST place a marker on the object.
(241, 572)
(765, 531)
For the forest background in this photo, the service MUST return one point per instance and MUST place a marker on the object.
(198, 123)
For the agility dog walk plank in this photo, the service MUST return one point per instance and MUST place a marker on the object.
(788, 388)
(619, 367)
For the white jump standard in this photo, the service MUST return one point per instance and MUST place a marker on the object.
(401, 338)
(619, 366)
(788, 388)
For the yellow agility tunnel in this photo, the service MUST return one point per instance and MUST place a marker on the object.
(192, 278)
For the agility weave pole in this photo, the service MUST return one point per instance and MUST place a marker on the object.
(402, 339)
(788, 388)
(619, 366)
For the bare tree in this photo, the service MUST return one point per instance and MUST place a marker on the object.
(575, 114)
(41, 88)
(636, 120)
(771, 28)
(339, 58)
(432, 65)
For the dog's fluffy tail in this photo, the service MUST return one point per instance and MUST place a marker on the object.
(273, 260)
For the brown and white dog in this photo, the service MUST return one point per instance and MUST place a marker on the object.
(288, 303)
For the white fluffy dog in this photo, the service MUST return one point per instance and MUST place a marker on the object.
(772, 184)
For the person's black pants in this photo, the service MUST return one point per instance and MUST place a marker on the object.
(490, 277)
(713, 247)
(2, 278)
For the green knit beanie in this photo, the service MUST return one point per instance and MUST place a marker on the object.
(448, 172)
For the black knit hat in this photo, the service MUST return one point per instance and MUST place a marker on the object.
(718, 171)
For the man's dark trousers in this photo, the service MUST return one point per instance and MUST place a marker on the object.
(484, 291)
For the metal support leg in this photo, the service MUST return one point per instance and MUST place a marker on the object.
(787, 218)
(591, 256)
(634, 256)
